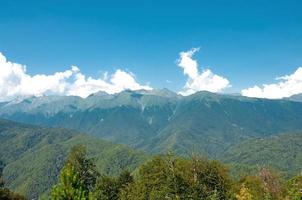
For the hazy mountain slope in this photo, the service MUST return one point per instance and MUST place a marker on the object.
(2, 104)
(128, 117)
(209, 123)
(159, 120)
(282, 152)
(34, 156)
(297, 97)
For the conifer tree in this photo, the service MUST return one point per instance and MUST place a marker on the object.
(84, 166)
(78, 176)
(70, 186)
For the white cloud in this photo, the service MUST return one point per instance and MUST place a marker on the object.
(14, 82)
(204, 81)
(287, 86)
(189, 65)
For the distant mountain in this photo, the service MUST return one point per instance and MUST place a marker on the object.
(128, 117)
(211, 122)
(2, 104)
(34, 156)
(160, 120)
(297, 97)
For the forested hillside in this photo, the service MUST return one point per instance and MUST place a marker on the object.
(280, 152)
(34, 156)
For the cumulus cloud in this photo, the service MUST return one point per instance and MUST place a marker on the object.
(199, 81)
(15, 82)
(286, 86)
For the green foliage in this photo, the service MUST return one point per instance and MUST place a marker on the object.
(78, 177)
(85, 167)
(70, 187)
(175, 178)
(294, 188)
(124, 179)
(109, 188)
(211, 175)
(214, 196)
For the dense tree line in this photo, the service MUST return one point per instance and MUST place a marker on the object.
(169, 177)
(163, 177)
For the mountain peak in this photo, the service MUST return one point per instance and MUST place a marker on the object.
(164, 92)
(99, 94)
(155, 92)
(295, 97)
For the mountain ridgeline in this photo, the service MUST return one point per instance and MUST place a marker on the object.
(160, 120)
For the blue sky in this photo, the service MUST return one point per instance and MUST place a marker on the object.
(248, 42)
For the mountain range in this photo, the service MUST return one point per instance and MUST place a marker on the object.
(157, 121)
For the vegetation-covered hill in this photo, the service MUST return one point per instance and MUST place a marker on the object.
(34, 156)
(159, 120)
(280, 152)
